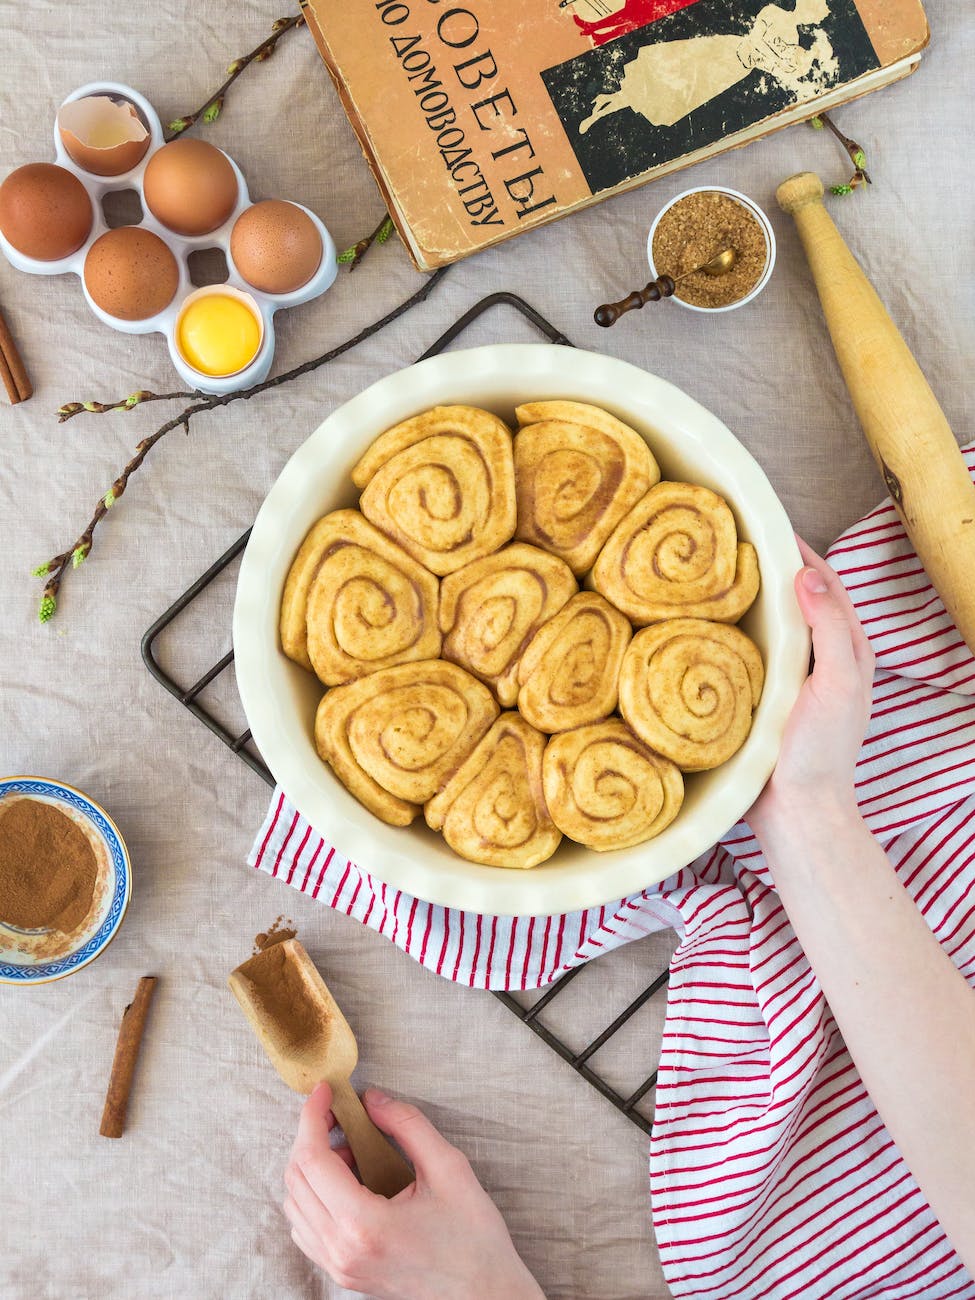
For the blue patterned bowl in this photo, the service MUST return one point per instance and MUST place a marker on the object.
(39, 956)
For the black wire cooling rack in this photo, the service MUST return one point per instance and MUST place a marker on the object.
(534, 1010)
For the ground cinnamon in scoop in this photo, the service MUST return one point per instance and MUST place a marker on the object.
(700, 227)
(48, 867)
(280, 988)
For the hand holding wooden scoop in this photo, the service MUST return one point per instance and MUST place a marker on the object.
(309, 1040)
(911, 441)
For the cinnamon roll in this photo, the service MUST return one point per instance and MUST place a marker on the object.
(688, 688)
(442, 485)
(677, 555)
(604, 788)
(570, 669)
(490, 610)
(354, 602)
(492, 810)
(578, 470)
(393, 738)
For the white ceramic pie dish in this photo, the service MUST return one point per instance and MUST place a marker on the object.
(280, 698)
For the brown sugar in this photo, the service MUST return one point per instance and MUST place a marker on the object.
(48, 868)
(279, 986)
(699, 227)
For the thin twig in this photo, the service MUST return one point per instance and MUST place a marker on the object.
(70, 409)
(56, 568)
(855, 151)
(354, 255)
(209, 110)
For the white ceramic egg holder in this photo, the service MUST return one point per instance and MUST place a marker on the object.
(164, 322)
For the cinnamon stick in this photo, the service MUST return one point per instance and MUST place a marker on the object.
(126, 1055)
(12, 369)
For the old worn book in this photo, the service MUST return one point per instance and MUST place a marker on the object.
(483, 118)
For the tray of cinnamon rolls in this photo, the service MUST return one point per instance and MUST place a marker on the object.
(529, 645)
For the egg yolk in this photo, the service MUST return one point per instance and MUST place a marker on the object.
(218, 335)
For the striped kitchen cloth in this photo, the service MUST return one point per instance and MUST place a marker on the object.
(772, 1176)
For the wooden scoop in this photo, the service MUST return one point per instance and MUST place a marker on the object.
(309, 1040)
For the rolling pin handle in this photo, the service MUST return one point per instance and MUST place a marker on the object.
(799, 191)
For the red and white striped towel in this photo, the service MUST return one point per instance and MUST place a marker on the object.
(772, 1176)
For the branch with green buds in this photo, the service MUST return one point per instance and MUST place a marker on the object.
(210, 110)
(56, 569)
(354, 255)
(856, 154)
(70, 409)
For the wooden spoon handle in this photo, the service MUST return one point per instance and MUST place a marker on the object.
(908, 434)
(381, 1167)
(610, 312)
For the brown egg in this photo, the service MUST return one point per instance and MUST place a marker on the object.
(190, 187)
(45, 211)
(130, 273)
(105, 137)
(276, 246)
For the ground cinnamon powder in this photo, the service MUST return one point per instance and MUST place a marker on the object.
(700, 227)
(280, 987)
(279, 931)
(48, 867)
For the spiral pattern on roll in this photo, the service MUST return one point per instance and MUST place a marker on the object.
(569, 672)
(492, 810)
(442, 485)
(578, 470)
(393, 738)
(490, 610)
(689, 688)
(677, 555)
(355, 602)
(604, 788)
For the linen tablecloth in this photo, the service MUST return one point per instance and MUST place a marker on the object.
(185, 1205)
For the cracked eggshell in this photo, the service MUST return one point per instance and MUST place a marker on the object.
(103, 134)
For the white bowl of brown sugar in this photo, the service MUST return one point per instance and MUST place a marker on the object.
(695, 227)
(65, 880)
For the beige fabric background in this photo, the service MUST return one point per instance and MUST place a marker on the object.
(187, 1203)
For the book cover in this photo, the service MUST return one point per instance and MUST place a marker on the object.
(481, 119)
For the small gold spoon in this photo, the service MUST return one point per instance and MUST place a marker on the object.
(663, 287)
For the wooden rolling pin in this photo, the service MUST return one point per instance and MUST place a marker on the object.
(908, 434)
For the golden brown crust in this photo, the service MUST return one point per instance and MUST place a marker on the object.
(689, 688)
(368, 605)
(578, 470)
(490, 610)
(604, 788)
(570, 669)
(395, 737)
(677, 555)
(442, 485)
(492, 810)
(293, 625)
